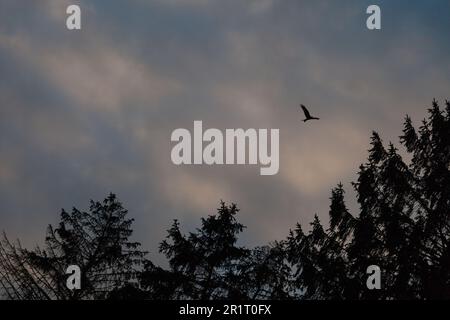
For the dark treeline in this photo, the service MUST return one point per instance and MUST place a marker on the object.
(403, 226)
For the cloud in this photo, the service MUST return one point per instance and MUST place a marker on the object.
(185, 2)
(194, 192)
(91, 112)
(96, 76)
(320, 159)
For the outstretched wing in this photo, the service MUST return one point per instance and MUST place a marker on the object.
(305, 111)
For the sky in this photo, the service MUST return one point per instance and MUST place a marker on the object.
(89, 112)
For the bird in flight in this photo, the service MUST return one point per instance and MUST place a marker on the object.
(307, 114)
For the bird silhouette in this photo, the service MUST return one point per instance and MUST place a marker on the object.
(307, 114)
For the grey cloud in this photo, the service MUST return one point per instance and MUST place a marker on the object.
(89, 113)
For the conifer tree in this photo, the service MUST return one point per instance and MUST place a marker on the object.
(97, 241)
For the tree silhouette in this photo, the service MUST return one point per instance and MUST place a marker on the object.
(403, 226)
(96, 241)
(207, 264)
(201, 263)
